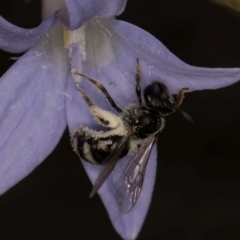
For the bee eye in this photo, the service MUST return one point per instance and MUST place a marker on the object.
(157, 97)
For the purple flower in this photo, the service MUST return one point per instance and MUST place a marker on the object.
(38, 96)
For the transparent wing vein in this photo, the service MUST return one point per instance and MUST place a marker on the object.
(129, 185)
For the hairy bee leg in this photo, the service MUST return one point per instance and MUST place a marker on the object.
(180, 97)
(85, 97)
(103, 117)
(138, 80)
(101, 88)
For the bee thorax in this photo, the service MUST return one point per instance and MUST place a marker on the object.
(146, 122)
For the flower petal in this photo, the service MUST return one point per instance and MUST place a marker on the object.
(15, 39)
(158, 63)
(109, 55)
(79, 11)
(32, 112)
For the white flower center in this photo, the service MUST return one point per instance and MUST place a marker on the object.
(91, 46)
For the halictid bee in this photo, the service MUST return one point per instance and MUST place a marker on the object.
(133, 131)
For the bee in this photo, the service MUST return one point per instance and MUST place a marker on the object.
(133, 131)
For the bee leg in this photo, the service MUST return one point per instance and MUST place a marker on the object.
(138, 80)
(103, 117)
(85, 97)
(180, 97)
(101, 88)
(106, 118)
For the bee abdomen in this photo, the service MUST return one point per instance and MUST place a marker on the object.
(81, 146)
(90, 148)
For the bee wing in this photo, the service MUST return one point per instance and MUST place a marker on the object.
(110, 162)
(129, 184)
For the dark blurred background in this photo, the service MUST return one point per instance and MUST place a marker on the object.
(197, 191)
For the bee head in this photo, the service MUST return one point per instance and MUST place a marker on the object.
(158, 98)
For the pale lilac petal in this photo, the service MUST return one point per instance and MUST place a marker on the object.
(15, 39)
(32, 111)
(110, 57)
(79, 11)
(158, 63)
(115, 61)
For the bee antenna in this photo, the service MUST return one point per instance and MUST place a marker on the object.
(185, 115)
